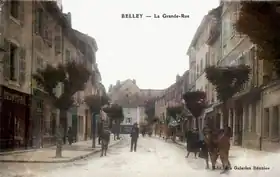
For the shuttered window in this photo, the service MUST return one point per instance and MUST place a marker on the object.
(22, 66)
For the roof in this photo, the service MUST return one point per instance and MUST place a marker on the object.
(198, 32)
(90, 40)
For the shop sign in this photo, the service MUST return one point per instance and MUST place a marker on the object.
(15, 98)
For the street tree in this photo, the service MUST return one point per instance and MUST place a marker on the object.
(227, 82)
(95, 103)
(115, 113)
(72, 77)
(260, 21)
(174, 111)
(195, 102)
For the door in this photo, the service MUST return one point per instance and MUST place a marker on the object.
(239, 126)
(74, 127)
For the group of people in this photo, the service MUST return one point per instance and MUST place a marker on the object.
(210, 142)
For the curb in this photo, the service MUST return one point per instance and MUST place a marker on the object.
(18, 152)
(61, 161)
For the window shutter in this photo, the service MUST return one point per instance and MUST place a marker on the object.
(22, 66)
(21, 12)
(8, 9)
(57, 44)
(36, 21)
(6, 61)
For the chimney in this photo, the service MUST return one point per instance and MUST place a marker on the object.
(134, 81)
(177, 78)
(68, 17)
(110, 88)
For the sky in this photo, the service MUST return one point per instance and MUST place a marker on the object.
(151, 51)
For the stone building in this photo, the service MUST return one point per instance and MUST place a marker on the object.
(172, 96)
(83, 113)
(254, 111)
(132, 99)
(35, 33)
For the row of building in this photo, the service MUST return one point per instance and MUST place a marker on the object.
(253, 112)
(34, 34)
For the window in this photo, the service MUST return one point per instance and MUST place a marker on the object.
(57, 41)
(39, 63)
(227, 27)
(201, 65)
(13, 62)
(67, 55)
(39, 25)
(128, 120)
(15, 9)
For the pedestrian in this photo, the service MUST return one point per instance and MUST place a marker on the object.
(192, 142)
(134, 137)
(203, 147)
(114, 130)
(70, 136)
(100, 130)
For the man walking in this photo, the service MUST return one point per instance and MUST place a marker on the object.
(70, 136)
(100, 130)
(134, 137)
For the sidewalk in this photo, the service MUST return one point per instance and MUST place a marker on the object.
(71, 153)
(244, 156)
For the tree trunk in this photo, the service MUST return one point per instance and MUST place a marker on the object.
(93, 129)
(63, 123)
(118, 128)
(110, 123)
(59, 141)
(86, 130)
(225, 114)
(196, 122)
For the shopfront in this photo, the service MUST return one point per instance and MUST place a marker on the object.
(14, 119)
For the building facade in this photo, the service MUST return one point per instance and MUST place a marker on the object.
(254, 111)
(35, 33)
(128, 95)
(172, 96)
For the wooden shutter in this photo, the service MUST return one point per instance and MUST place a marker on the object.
(22, 66)
(57, 48)
(8, 9)
(21, 12)
(6, 60)
(36, 20)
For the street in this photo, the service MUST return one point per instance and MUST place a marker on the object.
(154, 157)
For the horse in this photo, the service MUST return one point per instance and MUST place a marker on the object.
(105, 139)
(218, 143)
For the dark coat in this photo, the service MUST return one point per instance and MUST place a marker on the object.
(105, 136)
(134, 133)
(192, 142)
(99, 128)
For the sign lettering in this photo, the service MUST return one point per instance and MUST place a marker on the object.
(14, 98)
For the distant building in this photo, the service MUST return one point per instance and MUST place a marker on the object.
(132, 99)
(172, 95)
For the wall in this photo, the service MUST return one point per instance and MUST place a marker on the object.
(129, 113)
(17, 31)
(141, 114)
